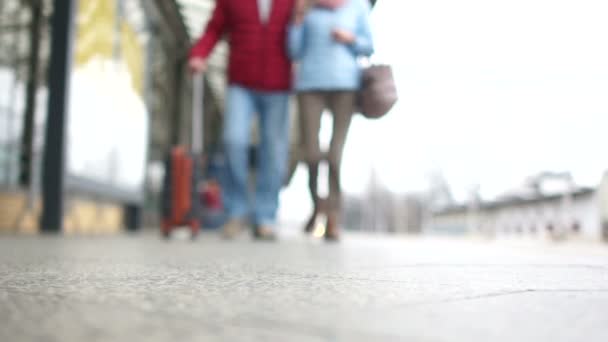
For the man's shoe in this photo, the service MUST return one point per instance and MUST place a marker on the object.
(232, 229)
(264, 233)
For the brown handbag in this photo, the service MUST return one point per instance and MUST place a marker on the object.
(378, 93)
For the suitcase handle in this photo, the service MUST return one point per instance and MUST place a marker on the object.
(198, 95)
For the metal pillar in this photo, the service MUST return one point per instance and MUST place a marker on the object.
(27, 141)
(133, 217)
(55, 143)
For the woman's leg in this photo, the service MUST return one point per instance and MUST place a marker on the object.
(311, 106)
(342, 106)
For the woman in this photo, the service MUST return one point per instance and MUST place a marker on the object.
(325, 40)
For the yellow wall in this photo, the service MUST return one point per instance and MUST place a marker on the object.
(83, 216)
(15, 217)
(88, 217)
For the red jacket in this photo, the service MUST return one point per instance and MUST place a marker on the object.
(258, 56)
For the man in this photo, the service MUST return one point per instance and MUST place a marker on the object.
(259, 76)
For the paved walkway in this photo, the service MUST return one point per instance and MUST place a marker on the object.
(138, 288)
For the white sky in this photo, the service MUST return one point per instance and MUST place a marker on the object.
(491, 92)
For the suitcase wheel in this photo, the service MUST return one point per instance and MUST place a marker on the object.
(194, 229)
(165, 229)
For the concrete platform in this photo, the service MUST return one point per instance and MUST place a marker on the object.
(368, 288)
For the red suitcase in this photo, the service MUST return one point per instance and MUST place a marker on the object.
(183, 171)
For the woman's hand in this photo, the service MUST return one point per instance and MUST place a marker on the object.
(343, 36)
(299, 11)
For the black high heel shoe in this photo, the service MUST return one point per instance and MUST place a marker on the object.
(332, 229)
(310, 225)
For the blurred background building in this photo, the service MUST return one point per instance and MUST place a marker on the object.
(548, 205)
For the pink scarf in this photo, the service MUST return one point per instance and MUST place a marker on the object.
(332, 4)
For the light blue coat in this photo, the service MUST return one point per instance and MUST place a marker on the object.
(323, 63)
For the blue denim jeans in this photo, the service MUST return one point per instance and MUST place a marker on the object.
(273, 113)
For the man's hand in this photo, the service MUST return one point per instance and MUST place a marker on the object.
(197, 65)
(343, 36)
